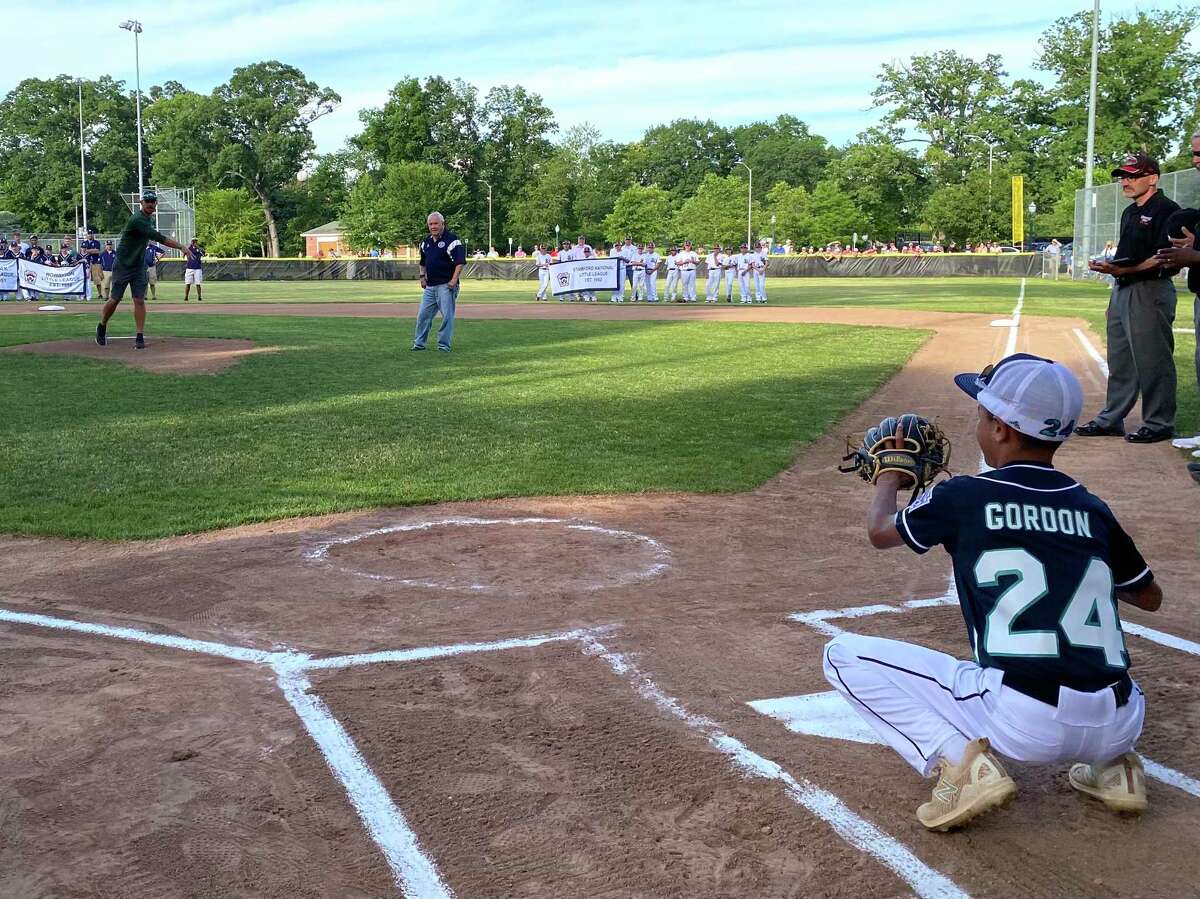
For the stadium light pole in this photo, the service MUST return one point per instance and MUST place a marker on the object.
(1091, 130)
(489, 187)
(749, 200)
(82, 169)
(134, 27)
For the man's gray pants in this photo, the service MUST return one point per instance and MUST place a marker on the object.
(1141, 354)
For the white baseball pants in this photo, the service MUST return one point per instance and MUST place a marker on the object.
(639, 284)
(926, 704)
(730, 277)
(672, 283)
(744, 287)
(652, 287)
(543, 283)
(760, 287)
(689, 285)
(712, 286)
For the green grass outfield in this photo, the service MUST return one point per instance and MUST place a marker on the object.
(346, 417)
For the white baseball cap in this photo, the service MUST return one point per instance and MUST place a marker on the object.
(1039, 397)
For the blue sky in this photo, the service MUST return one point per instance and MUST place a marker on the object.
(620, 66)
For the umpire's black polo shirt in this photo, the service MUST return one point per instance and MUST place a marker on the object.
(1144, 233)
(441, 256)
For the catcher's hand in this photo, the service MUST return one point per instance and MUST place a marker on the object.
(909, 445)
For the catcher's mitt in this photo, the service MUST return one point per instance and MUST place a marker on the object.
(910, 444)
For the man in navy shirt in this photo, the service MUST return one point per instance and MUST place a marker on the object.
(1039, 564)
(442, 259)
(107, 260)
(9, 251)
(193, 273)
(153, 253)
(90, 249)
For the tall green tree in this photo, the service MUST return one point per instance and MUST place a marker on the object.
(716, 213)
(834, 215)
(229, 222)
(783, 150)
(264, 131)
(602, 172)
(976, 209)
(517, 126)
(435, 120)
(1148, 87)
(39, 152)
(312, 199)
(887, 182)
(679, 156)
(181, 135)
(544, 202)
(643, 213)
(791, 208)
(389, 208)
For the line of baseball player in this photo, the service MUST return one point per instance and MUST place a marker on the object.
(639, 269)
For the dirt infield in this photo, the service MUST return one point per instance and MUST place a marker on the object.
(613, 758)
(163, 355)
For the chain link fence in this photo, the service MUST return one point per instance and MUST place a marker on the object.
(1107, 203)
(176, 215)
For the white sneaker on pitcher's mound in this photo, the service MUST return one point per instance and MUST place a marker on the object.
(1120, 784)
(1186, 442)
(964, 791)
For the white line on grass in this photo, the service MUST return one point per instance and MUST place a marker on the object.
(852, 828)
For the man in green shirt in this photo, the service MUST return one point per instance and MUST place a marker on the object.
(130, 267)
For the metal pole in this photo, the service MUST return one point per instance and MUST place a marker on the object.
(137, 63)
(1091, 132)
(749, 201)
(82, 169)
(489, 187)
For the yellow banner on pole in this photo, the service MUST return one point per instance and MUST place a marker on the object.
(1018, 210)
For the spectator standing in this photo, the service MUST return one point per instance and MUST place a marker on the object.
(130, 268)
(153, 252)
(107, 260)
(1141, 312)
(90, 249)
(193, 271)
(442, 259)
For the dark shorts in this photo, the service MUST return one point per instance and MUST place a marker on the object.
(134, 279)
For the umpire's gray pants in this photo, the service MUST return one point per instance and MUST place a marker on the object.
(1141, 354)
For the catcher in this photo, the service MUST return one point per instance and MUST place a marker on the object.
(1039, 563)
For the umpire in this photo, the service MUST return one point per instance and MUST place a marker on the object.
(1141, 312)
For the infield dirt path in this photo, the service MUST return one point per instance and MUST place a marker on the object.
(134, 771)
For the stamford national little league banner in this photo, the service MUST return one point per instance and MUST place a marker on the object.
(583, 274)
(67, 279)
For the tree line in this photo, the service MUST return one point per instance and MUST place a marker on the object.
(953, 131)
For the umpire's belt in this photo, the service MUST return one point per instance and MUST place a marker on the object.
(1047, 691)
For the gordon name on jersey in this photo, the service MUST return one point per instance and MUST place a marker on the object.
(1028, 517)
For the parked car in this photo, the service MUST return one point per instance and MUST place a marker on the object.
(1009, 250)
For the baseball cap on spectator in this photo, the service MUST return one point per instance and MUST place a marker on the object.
(1137, 164)
(1039, 397)
(1183, 218)
(148, 195)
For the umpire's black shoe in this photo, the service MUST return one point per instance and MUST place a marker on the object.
(1149, 435)
(100, 338)
(1194, 471)
(139, 342)
(1095, 429)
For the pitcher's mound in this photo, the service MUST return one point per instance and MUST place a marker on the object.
(165, 355)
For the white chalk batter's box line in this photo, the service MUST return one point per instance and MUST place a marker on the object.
(414, 872)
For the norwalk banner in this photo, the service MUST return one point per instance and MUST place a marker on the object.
(61, 280)
(8, 275)
(583, 274)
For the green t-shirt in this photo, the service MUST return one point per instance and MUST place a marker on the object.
(131, 248)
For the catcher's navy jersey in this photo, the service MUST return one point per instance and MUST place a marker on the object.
(1037, 560)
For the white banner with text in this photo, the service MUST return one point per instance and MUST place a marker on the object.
(8, 275)
(62, 280)
(575, 275)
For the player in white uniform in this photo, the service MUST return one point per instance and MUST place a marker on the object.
(650, 261)
(564, 254)
(760, 274)
(583, 250)
(687, 260)
(541, 259)
(672, 287)
(745, 261)
(628, 252)
(729, 267)
(638, 267)
(712, 283)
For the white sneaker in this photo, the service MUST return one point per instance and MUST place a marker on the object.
(1186, 442)
(977, 784)
(1120, 784)
(1196, 454)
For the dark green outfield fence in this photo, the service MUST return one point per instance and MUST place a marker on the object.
(1013, 265)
